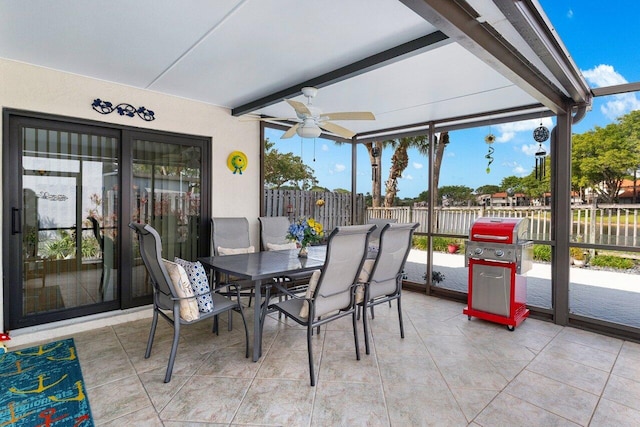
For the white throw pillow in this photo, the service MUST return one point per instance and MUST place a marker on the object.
(313, 282)
(235, 251)
(281, 247)
(199, 283)
(182, 285)
(363, 278)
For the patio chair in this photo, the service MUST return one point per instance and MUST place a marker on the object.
(273, 236)
(171, 296)
(374, 239)
(231, 236)
(384, 283)
(331, 292)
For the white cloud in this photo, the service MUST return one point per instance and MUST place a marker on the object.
(507, 131)
(532, 149)
(417, 165)
(325, 147)
(617, 105)
(338, 168)
(407, 177)
(517, 168)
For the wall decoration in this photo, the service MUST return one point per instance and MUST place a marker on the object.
(237, 162)
(124, 109)
(489, 139)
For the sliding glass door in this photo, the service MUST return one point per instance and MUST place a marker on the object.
(71, 190)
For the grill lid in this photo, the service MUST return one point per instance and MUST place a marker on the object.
(499, 230)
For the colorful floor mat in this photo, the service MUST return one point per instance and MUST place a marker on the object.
(43, 386)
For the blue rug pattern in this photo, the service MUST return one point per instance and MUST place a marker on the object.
(43, 387)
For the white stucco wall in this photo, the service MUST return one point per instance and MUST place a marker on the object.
(38, 89)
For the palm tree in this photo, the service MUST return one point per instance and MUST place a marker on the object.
(400, 161)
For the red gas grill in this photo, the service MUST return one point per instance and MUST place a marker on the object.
(498, 255)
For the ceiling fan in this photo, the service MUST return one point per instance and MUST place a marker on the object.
(311, 120)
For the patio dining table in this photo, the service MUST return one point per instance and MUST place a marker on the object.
(261, 268)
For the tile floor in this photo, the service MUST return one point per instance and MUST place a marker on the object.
(448, 371)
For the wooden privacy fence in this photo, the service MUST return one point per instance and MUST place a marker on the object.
(333, 211)
(602, 225)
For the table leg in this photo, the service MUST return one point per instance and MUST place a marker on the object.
(257, 319)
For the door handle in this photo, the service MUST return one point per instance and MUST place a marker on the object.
(16, 221)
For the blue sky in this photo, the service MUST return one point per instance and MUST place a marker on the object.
(602, 38)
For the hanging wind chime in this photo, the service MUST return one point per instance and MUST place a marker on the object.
(540, 135)
(489, 139)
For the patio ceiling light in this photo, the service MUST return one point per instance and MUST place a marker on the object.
(308, 129)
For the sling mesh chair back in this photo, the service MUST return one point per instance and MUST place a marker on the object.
(273, 236)
(385, 280)
(273, 233)
(231, 236)
(331, 291)
(175, 297)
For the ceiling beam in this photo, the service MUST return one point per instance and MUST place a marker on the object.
(461, 23)
(616, 89)
(389, 56)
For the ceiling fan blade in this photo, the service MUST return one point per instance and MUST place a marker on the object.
(349, 115)
(338, 130)
(290, 132)
(299, 107)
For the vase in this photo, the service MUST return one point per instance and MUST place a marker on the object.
(303, 252)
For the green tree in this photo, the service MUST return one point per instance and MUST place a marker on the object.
(286, 168)
(456, 195)
(487, 189)
(602, 157)
(511, 183)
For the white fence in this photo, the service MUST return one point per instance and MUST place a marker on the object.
(604, 224)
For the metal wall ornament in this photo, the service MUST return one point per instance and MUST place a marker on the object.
(124, 109)
(489, 139)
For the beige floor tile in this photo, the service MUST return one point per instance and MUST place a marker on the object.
(610, 413)
(349, 404)
(580, 353)
(399, 369)
(276, 402)
(448, 346)
(569, 372)
(343, 366)
(206, 399)
(228, 362)
(509, 411)
(117, 399)
(146, 417)
(476, 374)
(591, 339)
(564, 400)
(472, 402)
(160, 392)
(291, 365)
(433, 408)
(623, 390)
(627, 365)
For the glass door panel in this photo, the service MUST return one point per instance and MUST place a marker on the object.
(166, 183)
(67, 178)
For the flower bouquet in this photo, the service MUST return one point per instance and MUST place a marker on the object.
(305, 232)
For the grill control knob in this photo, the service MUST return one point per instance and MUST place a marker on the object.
(477, 251)
(499, 252)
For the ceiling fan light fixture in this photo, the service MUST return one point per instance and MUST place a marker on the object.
(308, 131)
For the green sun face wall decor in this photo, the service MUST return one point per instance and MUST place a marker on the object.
(237, 162)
